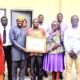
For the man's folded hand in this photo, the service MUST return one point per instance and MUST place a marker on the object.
(72, 54)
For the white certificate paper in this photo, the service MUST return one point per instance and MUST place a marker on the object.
(35, 44)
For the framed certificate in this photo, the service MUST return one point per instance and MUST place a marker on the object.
(35, 44)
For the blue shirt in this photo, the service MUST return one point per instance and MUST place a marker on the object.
(18, 40)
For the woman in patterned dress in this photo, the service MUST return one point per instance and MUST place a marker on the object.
(53, 60)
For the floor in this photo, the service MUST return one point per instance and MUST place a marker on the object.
(49, 75)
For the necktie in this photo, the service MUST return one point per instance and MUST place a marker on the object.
(59, 26)
(60, 32)
(61, 35)
(4, 35)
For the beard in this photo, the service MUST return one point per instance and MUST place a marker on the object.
(40, 22)
(35, 27)
(19, 26)
(4, 24)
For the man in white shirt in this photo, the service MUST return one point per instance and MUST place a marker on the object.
(63, 27)
(45, 27)
(4, 30)
(72, 47)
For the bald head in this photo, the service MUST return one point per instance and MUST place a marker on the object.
(35, 23)
(41, 18)
(59, 17)
(74, 20)
(4, 21)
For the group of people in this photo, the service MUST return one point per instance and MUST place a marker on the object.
(61, 40)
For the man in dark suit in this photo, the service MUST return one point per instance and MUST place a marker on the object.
(4, 30)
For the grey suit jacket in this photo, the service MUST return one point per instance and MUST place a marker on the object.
(18, 40)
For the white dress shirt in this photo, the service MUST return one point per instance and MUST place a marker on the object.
(64, 27)
(46, 28)
(72, 39)
(7, 35)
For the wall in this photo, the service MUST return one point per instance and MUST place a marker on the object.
(69, 8)
(49, 8)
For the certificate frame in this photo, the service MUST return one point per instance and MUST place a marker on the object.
(34, 44)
